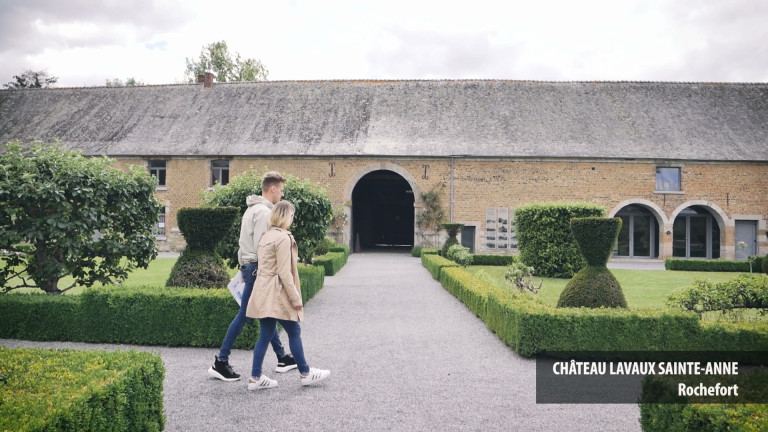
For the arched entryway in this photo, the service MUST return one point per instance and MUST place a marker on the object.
(639, 234)
(382, 211)
(696, 233)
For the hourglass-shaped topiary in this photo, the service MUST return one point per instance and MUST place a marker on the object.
(594, 286)
(199, 265)
(453, 230)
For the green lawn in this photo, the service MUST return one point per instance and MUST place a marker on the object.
(642, 288)
(155, 274)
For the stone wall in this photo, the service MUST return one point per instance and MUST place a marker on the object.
(729, 190)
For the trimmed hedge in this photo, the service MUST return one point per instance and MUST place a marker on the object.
(149, 315)
(339, 248)
(435, 263)
(493, 260)
(532, 328)
(430, 251)
(67, 390)
(416, 251)
(691, 416)
(718, 265)
(545, 239)
(331, 262)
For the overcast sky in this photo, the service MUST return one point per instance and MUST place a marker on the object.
(86, 42)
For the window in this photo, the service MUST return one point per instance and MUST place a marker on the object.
(157, 168)
(668, 179)
(220, 172)
(159, 229)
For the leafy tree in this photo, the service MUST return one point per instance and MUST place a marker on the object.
(313, 211)
(130, 82)
(32, 79)
(215, 57)
(64, 214)
(432, 215)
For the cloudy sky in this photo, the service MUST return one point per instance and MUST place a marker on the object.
(86, 42)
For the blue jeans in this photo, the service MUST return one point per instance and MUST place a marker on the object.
(249, 276)
(268, 328)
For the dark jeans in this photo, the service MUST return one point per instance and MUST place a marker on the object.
(268, 328)
(249, 276)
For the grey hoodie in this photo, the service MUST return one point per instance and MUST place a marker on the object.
(254, 224)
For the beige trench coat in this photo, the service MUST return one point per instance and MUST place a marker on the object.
(276, 290)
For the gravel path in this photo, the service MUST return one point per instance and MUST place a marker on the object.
(404, 355)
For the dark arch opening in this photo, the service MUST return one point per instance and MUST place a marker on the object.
(382, 211)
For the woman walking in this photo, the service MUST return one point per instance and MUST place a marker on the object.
(276, 297)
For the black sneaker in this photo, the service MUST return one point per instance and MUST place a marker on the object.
(223, 371)
(285, 363)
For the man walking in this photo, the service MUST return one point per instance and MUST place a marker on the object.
(254, 224)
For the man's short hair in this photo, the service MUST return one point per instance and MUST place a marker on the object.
(270, 179)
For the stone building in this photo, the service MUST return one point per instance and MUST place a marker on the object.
(685, 165)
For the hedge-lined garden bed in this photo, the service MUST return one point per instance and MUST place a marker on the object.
(69, 390)
(149, 315)
(332, 261)
(531, 329)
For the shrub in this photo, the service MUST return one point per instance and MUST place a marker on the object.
(521, 277)
(203, 229)
(435, 263)
(331, 262)
(594, 286)
(460, 255)
(453, 230)
(745, 291)
(136, 315)
(324, 246)
(81, 390)
(493, 260)
(416, 251)
(426, 251)
(198, 269)
(765, 264)
(339, 248)
(545, 239)
(701, 265)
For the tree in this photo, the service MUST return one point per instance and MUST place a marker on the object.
(432, 215)
(32, 79)
(310, 224)
(65, 214)
(215, 57)
(130, 82)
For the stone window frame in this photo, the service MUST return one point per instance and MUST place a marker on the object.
(160, 172)
(659, 186)
(221, 170)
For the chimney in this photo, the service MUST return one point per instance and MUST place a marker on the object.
(200, 78)
(208, 80)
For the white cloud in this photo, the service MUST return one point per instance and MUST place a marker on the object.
(85, 42)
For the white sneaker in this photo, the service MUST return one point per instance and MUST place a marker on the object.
(262, 383)
(315, 375)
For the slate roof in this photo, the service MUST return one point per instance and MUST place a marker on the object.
(527, 119)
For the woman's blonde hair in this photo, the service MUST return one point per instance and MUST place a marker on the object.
(281, 214)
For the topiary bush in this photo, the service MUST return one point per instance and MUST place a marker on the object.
(594, 286)
(196, 268)
(199, 265)
(545, 239)
(453, 230)
(204, 227)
